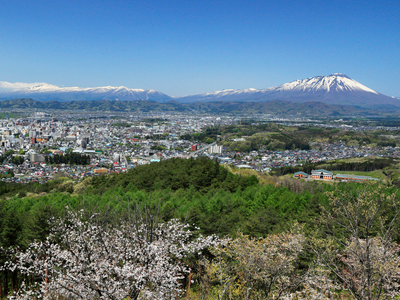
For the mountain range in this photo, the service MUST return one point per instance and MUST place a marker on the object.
(336, 89)
(48, 92)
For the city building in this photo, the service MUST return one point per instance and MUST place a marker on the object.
(35, 157)
(300, 175)
(216, 149)
(322, 174)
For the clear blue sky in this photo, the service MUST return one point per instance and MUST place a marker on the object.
(190, 46)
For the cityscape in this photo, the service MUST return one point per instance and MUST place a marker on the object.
(199, 150)
(116, 143)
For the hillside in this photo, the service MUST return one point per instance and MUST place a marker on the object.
(84, 218)
(277, 108)
(93, 105)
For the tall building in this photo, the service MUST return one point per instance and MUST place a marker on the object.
(116, 157)
(216, 149)
(32, 133)
(35, 157)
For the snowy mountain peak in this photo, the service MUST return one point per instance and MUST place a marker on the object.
(336, 88)
(339, 74)
(335, 82)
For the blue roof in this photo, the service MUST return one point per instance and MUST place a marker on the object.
(350, 176)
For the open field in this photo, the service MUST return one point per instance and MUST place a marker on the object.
(9, 115)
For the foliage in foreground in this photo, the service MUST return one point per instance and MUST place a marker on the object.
(90, 259)
(352, 254)
(222, 203)
(264, 268)
(357, 244)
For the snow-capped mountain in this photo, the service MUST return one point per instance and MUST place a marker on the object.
(46, 92)
(333, 89)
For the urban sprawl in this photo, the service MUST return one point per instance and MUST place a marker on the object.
(117, 143)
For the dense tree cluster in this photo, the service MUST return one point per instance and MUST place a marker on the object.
(201, 173)
(6, 156)
(17, 160)
(10, 189)
(158, 148)
(363, 166)
(68, 158)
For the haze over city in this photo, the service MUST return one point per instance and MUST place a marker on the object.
(189, 47)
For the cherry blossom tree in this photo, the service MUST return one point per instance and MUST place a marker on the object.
(317, 284)
(87, 259)
(371, 269)
(257, 268)
(357, 247)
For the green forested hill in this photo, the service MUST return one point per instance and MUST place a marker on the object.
(201, 190)
(198, 190)
(100, 105)
(201, 174)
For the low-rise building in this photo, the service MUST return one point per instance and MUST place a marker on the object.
(358, 178)
(101, 170)
(300, 175)
(322, 174)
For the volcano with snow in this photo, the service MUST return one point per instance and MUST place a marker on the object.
(47, 92)
(333, 89)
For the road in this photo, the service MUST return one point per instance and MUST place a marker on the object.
(203, 148)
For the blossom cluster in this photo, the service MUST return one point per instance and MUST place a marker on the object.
(86, 259)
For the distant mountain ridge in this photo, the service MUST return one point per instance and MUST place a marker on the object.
(337, 89)
(48, 92)
(92, 105)
(275, 108)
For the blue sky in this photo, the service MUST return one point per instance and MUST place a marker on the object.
(189, 47)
